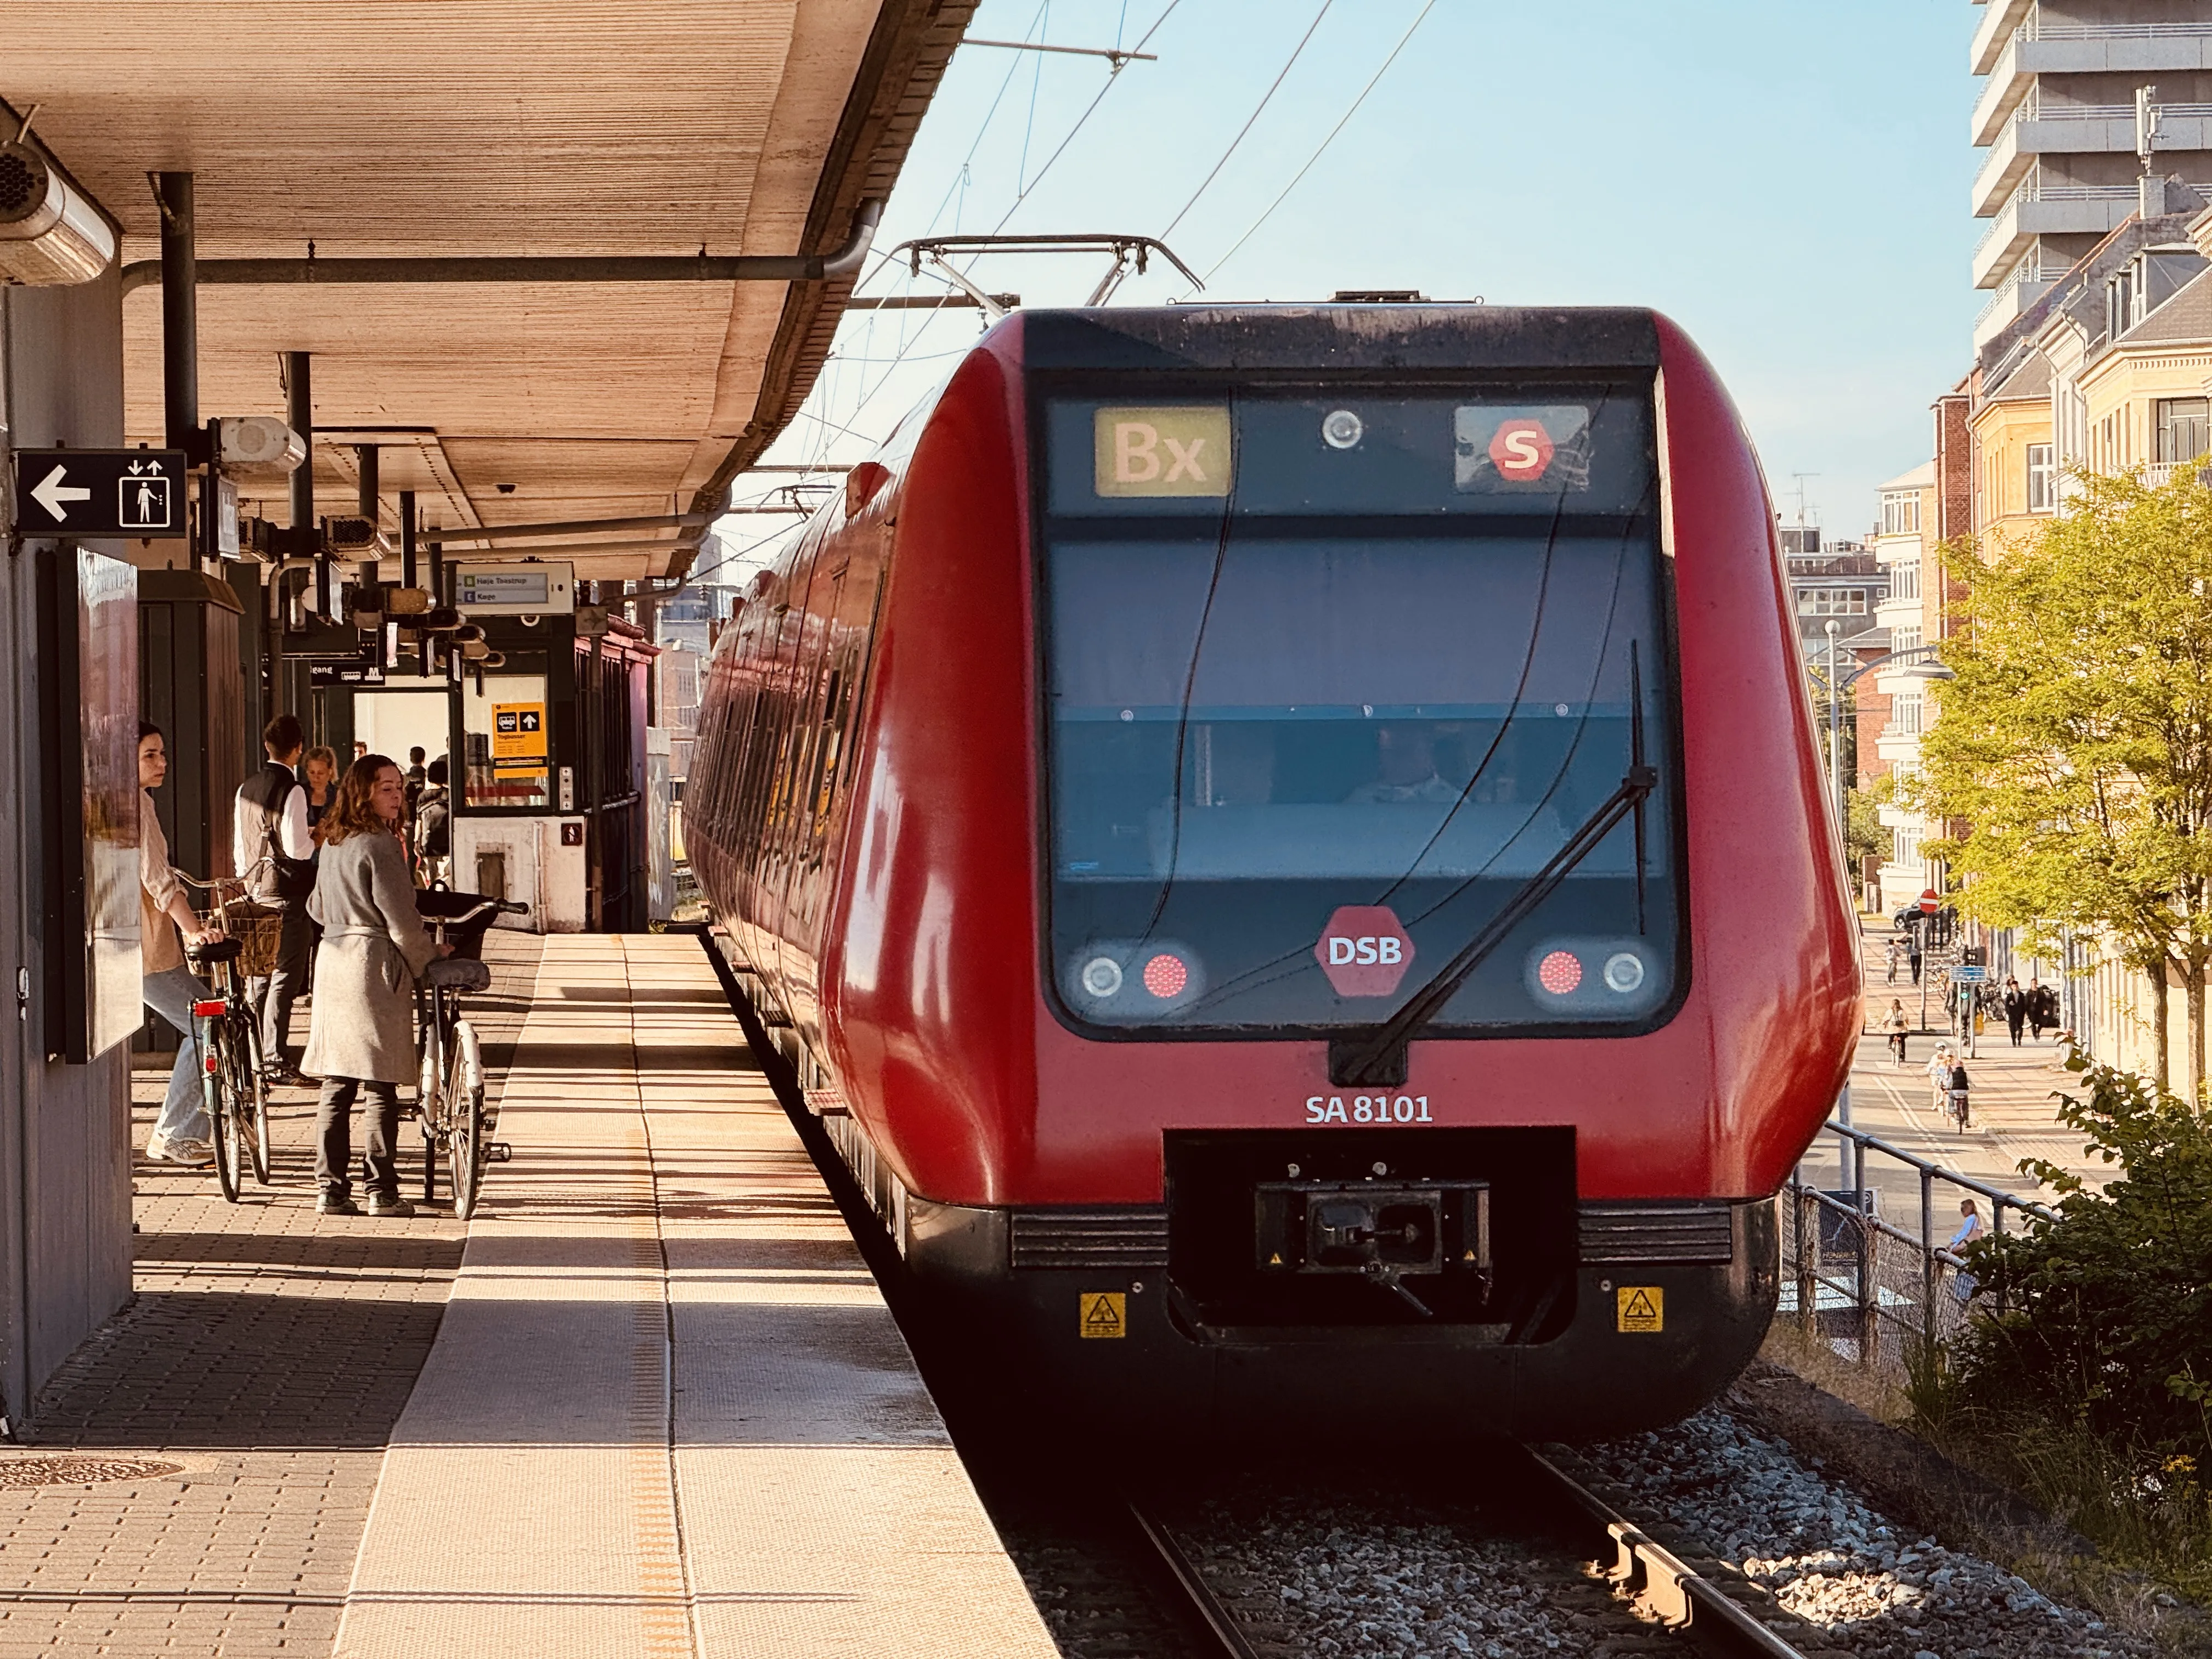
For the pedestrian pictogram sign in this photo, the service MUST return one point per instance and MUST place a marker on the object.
(100, 492)
(1104, 1313)
(1640, 1307)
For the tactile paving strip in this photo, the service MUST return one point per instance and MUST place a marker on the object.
(667, 1412)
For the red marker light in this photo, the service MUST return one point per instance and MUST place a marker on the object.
(1166, 976)
(1560, 972)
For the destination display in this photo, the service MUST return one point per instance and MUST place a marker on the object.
(515, 590)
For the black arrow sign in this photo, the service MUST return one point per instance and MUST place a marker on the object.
(100, 492)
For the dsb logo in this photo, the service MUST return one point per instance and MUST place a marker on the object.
(1363, 951)
(1369, 950)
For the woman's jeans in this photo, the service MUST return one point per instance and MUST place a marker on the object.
(334, 1138)
(171, 994)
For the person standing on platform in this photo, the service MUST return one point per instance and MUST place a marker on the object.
(319, 772)
(170, 988)
(274, 851)
(433, 824)
(418, 779)
(361, 1031)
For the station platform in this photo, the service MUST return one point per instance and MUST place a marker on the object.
(650, 1402)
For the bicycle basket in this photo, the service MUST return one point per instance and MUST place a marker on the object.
(256, 927)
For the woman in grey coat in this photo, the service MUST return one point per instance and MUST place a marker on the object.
(360, 1039)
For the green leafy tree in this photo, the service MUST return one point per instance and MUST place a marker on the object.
(1865, 836)
(2108, 1310)
(2074, 747)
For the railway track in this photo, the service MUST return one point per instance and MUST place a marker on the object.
(1652, 1588)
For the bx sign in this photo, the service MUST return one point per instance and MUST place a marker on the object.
(1184, 450)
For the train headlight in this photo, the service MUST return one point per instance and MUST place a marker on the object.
(1166, 975)
(1595, 978)
(1340, 429)
(1560, 972)
(1130, 980)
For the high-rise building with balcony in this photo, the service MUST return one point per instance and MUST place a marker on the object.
(2057, 116)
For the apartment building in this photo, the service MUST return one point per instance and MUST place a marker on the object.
(1905, 541)
(2109, 371)
(1836, 581)
(2058, 117)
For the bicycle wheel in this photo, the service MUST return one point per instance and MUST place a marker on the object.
(429, 1109)
(465, 1094)
(465, 1141)
(222, 1129)
(255, 1095)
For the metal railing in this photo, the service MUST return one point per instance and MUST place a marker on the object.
(2036, 29)
(1872, 1288)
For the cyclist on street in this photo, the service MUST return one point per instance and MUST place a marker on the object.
(1961, 1108)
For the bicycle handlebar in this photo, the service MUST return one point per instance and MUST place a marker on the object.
(502, 907)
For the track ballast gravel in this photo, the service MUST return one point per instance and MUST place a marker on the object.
(1367, 1572)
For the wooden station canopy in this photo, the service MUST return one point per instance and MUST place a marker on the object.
(427, 130)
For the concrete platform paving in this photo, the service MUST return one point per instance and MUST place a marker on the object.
(667, 1412)
(267, 1356)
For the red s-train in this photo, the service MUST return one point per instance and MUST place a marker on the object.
(1286, 845)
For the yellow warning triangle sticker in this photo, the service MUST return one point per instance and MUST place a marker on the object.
(1639, 1305)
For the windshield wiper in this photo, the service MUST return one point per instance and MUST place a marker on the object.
(1377, 1058)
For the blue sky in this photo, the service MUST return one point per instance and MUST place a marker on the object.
(1786, 180)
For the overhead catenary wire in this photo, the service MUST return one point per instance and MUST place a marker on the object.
(1112, 76)
(1372, 83)
(1267, 97)
(925, 319)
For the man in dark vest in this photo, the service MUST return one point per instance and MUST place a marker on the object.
(275, 852)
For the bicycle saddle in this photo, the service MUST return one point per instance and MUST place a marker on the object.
(457, 974)
(222, 950)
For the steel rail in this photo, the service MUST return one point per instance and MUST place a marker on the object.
(1217, 1617)
(1659, 1582)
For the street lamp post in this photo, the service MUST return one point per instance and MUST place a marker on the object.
(1835, 735)
(1917, 661)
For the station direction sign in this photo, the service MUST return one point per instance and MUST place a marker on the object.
(324, 675)
(100, 492)
(528, 588)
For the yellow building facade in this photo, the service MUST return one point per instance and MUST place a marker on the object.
(2110, 374)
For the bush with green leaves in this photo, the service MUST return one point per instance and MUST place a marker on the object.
(2107, 1311)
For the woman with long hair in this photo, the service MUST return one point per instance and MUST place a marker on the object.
(360, 1039)
(170, 987)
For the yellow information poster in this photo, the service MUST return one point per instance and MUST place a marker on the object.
(518, 732)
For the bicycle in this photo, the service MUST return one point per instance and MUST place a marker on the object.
(449, 1093)
(227, 1031)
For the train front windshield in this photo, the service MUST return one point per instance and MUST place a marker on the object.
(1335, 682)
